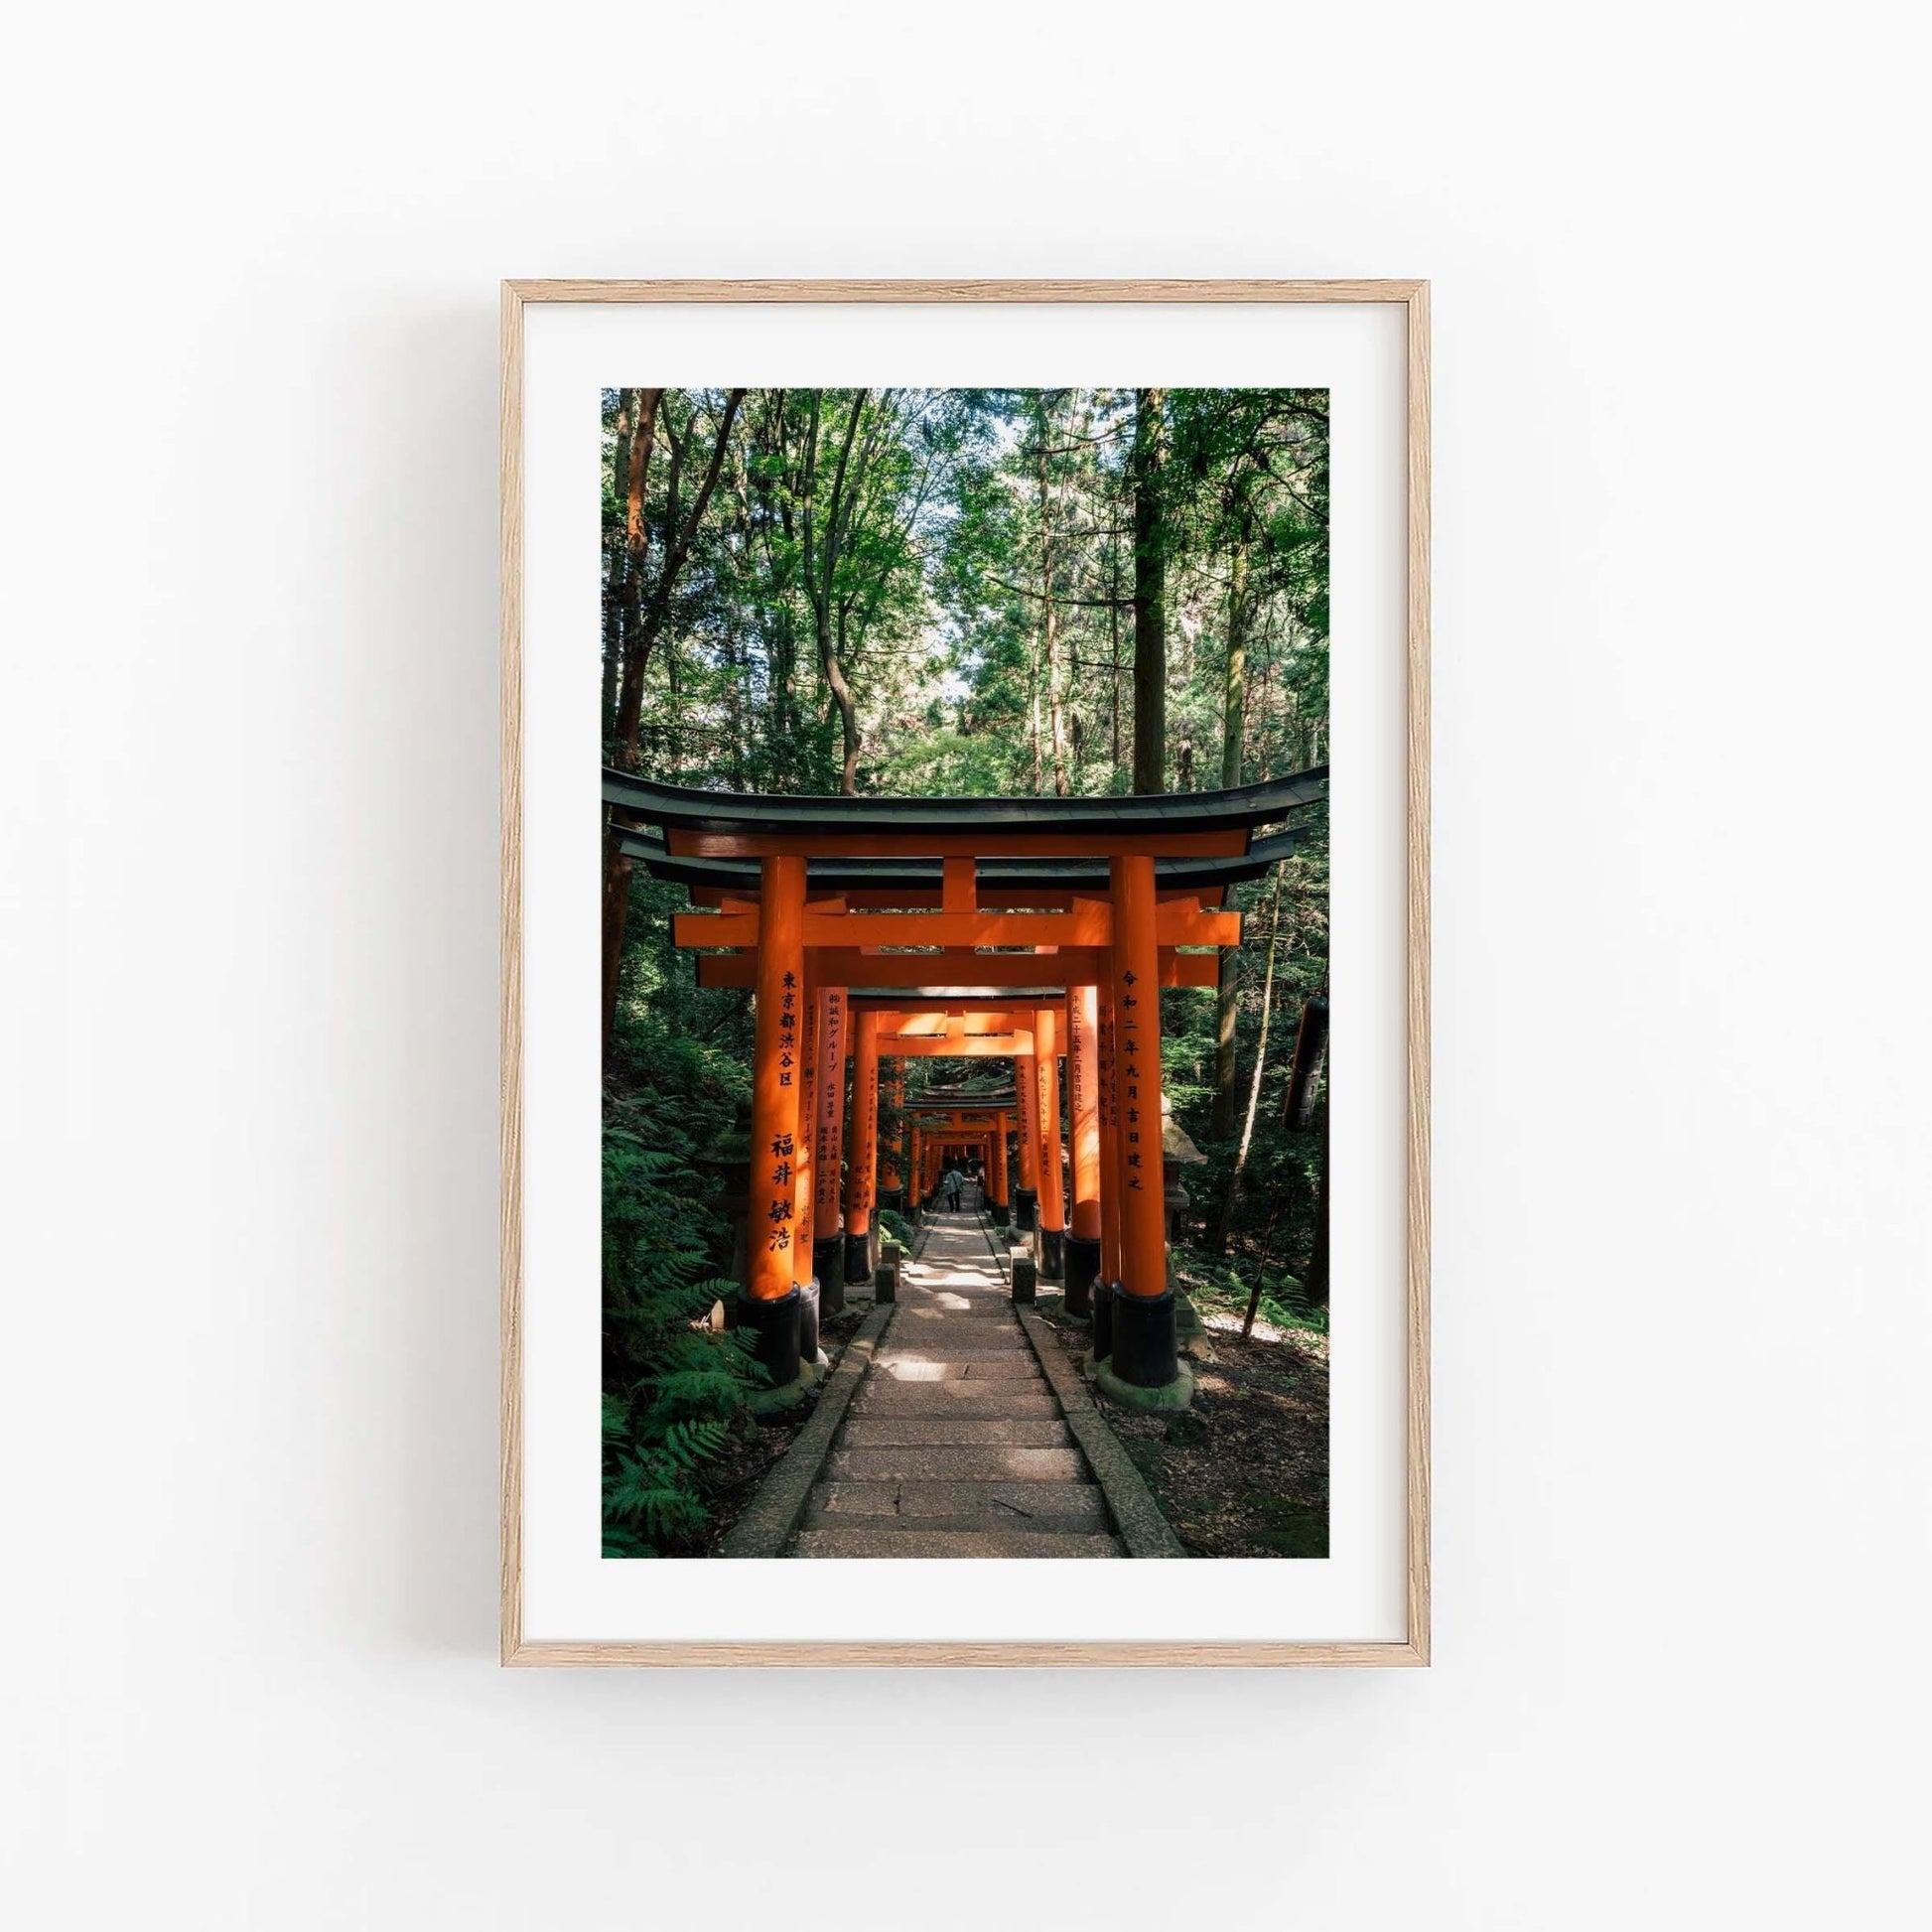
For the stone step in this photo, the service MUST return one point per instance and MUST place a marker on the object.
(973, 1463)
(953, 1432)
(917, 1367)
(957, 1337)
(975, 1353)
(960, 1505)
(924, 1314)
(930, 1399)
(874, 1540)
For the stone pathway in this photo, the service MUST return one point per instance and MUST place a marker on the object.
(955, 1445)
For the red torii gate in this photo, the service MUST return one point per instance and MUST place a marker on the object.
(802, 954)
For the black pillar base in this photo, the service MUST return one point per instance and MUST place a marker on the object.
(1025, 1208)
(1103, 1320)
(1052, 1254)
(1083, 1271)
(828, 1264)
(859, 1263)
(774, 1327)
(893, 1197)
(1000, 1212)
(1145, 1352)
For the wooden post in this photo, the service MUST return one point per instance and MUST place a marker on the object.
(894, 1157)
(996, 1175)
(1108, 1109)
(862, 1169)
(1026, 1195)
(1144, 1350)
(1083, 1119)
(801, 1254)
(828, 1146)
(1052, 1185)
(770, 1304)
(805, 1252)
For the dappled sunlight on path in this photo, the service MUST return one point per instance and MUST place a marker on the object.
(955, 1445)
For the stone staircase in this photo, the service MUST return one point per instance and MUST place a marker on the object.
(955, 1445)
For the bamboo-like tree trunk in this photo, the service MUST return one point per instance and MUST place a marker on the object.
(1050, 651)
(829, 526)
(1254, 1086)
(1113, 646)
(614, 598)
(1150, 594)
(1233, 731)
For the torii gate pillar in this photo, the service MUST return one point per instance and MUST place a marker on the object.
(1083, 1122)
(828, 1148)
(1051, 1246)
(770, 1304)
(861, 1172)
(1145, 1365)
(891, 1176)
(1025, 1197)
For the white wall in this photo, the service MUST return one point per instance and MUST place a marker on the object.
(1683, 1248)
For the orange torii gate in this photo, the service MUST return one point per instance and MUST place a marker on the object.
(1106, 894)
(883, 1041)
(1031, 1038)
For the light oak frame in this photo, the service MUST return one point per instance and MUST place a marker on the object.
(1413, 296)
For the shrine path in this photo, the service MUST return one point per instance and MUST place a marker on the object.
(954, 1444)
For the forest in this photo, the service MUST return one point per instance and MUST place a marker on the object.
(946, 592)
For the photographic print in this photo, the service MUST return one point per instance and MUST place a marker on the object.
(965, 899)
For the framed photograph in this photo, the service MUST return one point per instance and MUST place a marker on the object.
(965, 973)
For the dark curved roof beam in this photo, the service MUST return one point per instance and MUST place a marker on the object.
(1000, 880)
(1240, 808)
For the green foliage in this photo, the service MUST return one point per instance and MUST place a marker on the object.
(1223, 1285)
(970, 511)
(672, 1392)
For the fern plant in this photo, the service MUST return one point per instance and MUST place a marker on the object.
(673, 1392)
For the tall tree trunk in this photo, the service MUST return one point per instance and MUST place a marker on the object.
(1150, 594)
(614, 590)
(1113, 642)
(678, 538)
(822, 577)
(1049, 651)
(639, 637)
(1254, 1086)
(636, 543)
(1234, 710)
(1234, 728)
(841, 689)
(1034, 680)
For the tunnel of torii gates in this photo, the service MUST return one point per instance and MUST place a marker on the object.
(1029, 930)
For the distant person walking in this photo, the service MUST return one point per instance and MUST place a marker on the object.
(954, 1182)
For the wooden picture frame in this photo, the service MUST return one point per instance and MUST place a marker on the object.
(1413, 298)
